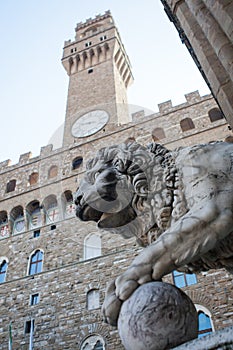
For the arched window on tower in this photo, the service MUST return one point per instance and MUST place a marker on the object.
(205, 324)
(181, 279)
(33, 178)
(77, 162)
(3, 269)
(68, 204)
(158, 134)
(4, 227)
(36, 262)
(92, 246)
(187, 124)
(17, 219)
(50, 208)
(215, 114)
(34, 215)
(53, 171)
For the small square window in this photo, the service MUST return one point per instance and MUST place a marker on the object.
(10, 186)
(34, 299)
(53, 227)
(28, 325)
(36, 233)
(90, 70)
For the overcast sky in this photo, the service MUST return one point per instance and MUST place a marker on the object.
(34, 83)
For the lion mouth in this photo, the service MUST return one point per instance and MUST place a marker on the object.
(106, 220)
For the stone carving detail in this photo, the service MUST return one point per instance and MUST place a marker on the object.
(178, 204)
(157, 316)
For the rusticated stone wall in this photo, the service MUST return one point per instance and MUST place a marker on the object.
(61, 317)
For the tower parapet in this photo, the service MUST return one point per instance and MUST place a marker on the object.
(99, 71)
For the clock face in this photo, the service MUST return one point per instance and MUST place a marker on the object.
(89, 123)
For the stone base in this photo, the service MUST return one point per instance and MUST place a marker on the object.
(220, 340)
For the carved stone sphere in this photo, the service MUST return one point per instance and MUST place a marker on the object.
(157, 316)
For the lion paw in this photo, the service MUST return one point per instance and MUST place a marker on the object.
(131, 279)
(111, 306)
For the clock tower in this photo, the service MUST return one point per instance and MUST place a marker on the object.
(99, 74)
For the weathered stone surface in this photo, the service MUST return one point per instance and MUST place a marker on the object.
(177, 203)
(206, 28)
(157, 316)
(220, 340)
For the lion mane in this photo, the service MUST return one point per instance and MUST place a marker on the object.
(155, 182)
(178, 204)
(158, 197)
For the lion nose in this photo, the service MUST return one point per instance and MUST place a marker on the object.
(78, 197)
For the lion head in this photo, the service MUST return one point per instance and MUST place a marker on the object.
(130, 190)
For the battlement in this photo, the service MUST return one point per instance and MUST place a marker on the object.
(191, 98)
(164, 108)
(27, 158)
(167, 106)
(93, 21)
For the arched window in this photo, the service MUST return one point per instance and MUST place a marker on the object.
(94, 342)
(33, 178)
(10, 186)
(4, 227)
(17, 219)
(93, 299)
(92, 246)
(158, 134)
(68, 205)
(34, 214)
(3, 269)
(181, 279)
(76, 162)
(36, 262)
(215, 114)
(53, 171)
(204, 324)
(51, 210)
(186, 124)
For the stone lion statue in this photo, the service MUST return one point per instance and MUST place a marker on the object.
(178, 204)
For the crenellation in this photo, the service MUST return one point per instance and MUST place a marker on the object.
(90, 21)
(67, 42)
(138, 115)
(5, 164)
(46, 150)
(25, 158)
(193, 97)
(165, 107)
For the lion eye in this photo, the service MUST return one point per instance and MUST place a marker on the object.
(96, 175)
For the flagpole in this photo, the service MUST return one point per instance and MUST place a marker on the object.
(10, 337)
(31, 335)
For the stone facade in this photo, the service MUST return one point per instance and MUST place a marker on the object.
(37, 214)
(206, 27)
